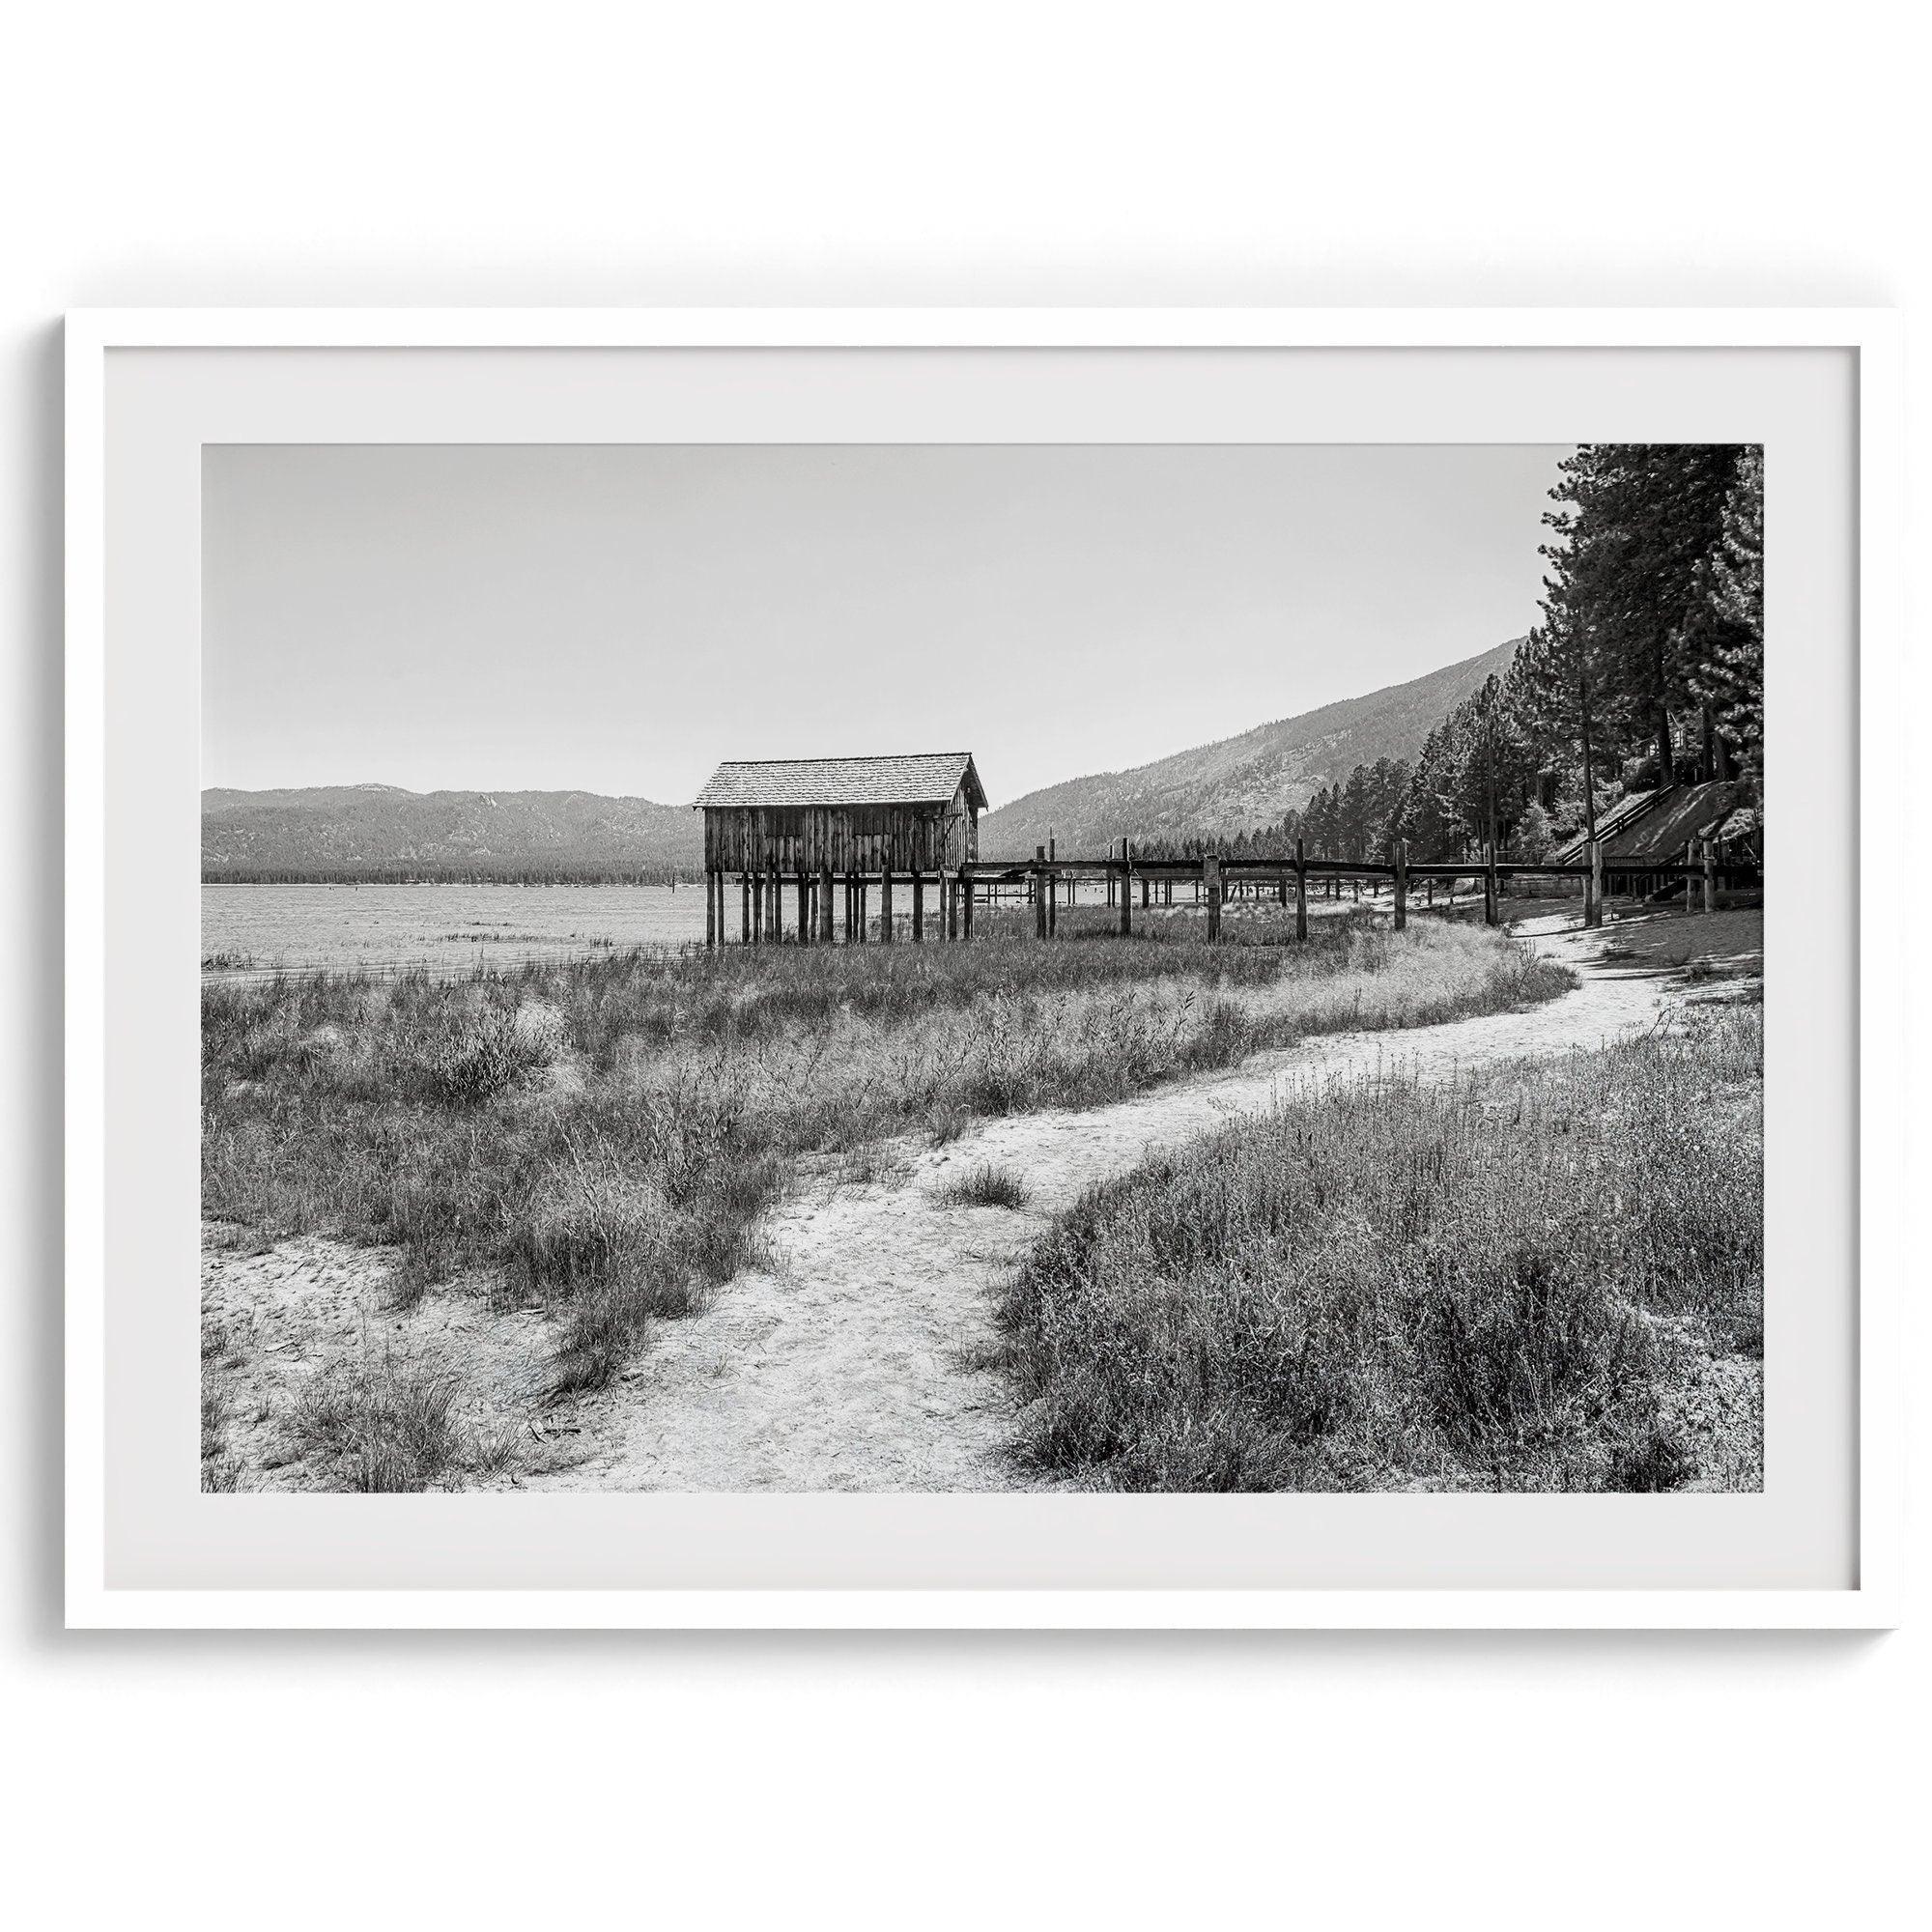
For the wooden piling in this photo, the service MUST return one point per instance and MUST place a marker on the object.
(825, 927)
(917, 908)
(885, 905)
(965, 905)
(1211, 888)
(1300, 890)
(1040, 915)
(1401, 857)
(710, 908)
(1126, 891)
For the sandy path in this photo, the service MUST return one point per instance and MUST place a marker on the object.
(844, 1366)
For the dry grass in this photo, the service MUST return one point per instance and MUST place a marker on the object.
(985, 1186)
(386, 1422)
(607, 1135)
(1520, 1283)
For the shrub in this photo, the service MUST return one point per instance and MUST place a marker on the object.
(985, 1186)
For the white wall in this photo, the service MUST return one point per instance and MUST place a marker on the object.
(358, 154)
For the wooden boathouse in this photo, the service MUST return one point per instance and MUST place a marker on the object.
(827, 832)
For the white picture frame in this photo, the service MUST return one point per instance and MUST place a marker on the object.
(1872, 1598)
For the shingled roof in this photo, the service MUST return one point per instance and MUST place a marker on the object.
(907, 777)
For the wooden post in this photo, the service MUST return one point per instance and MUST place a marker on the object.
(1710, 878)
(918, 907)
(1489, 886)
(806, 922)
(1210, 886)
(1593, 894)
(885, 905)
(1401, 856)
(744, 908)
(1300, 890)
(965, 905)
(1039, 881)
(710, 907)
(759, 909)
(861, 887)
(825, 929)
(1126, 891)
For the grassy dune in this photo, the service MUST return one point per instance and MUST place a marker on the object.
(607, 1134)
(1548, 1278)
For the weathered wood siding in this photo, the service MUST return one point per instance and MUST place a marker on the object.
(845, 837)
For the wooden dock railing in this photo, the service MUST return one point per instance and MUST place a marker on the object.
(1044, 879)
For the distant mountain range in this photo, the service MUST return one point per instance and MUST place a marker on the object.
(1241, 783)
(354, 830)
(1236, 786)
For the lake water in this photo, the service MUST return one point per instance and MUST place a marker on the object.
(262, 928)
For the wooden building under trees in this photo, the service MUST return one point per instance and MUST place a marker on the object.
(826, 829)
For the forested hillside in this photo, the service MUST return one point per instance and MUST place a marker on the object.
(1239, 784)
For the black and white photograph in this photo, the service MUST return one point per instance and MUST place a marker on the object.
(983, 968)
(966, 965)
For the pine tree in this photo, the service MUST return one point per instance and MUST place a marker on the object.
(1638, 520)
(1727, 639)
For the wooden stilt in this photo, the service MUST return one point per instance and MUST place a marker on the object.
(1040, 913)
(1300, 890)
(1401, 856)
(825, 931)
(966, 906)
(1127, 894)
(805, 920)
(1211, 889)
(886, 906)
(918, 907)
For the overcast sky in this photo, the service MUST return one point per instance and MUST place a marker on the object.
(619, 618)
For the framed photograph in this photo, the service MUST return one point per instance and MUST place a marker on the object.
(984, 969)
